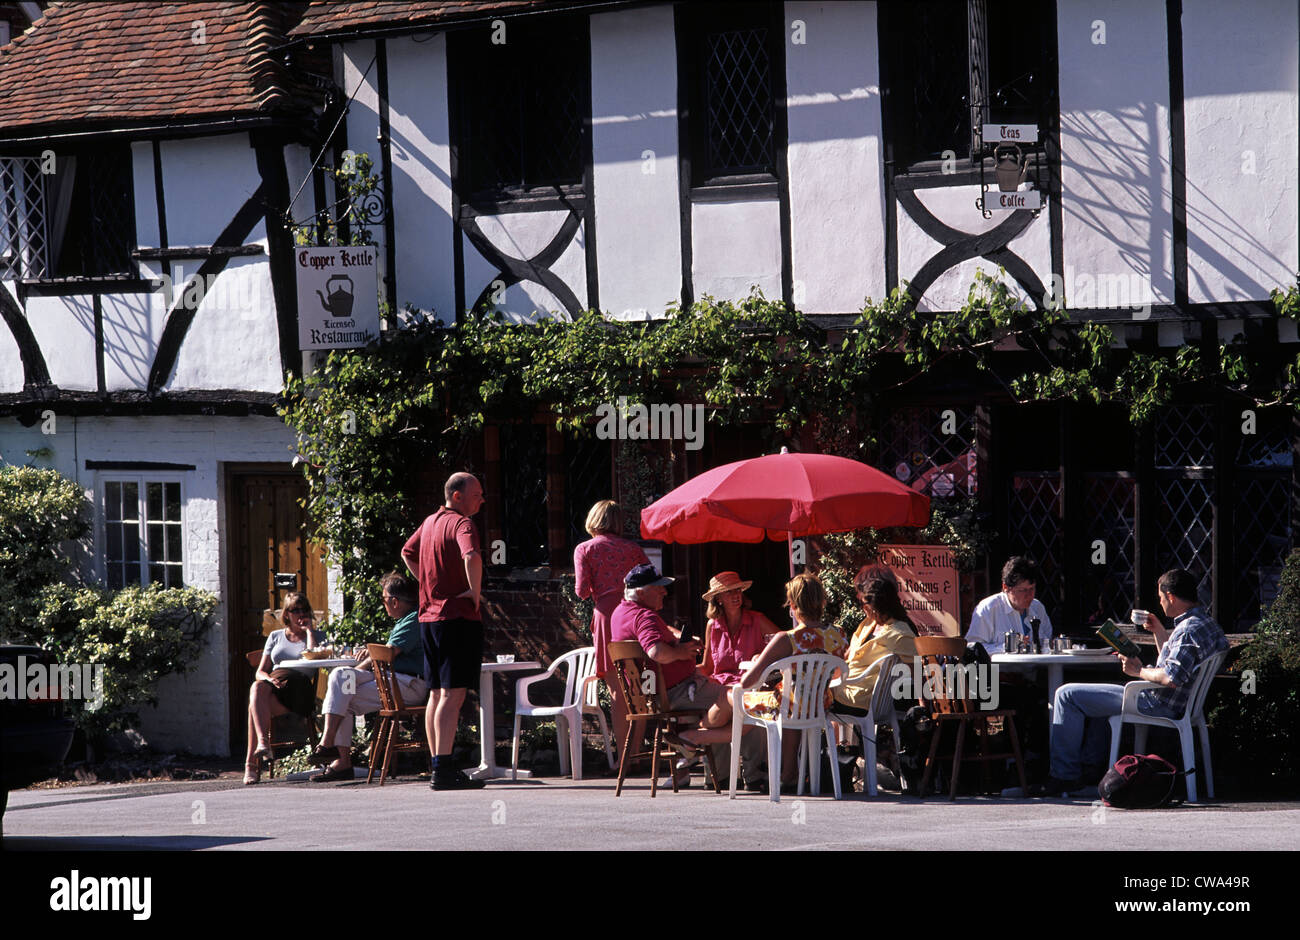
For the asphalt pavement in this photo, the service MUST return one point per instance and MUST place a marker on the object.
(560, 814)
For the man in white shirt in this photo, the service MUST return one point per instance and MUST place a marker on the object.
(1011, 610)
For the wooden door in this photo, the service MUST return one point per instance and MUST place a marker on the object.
(269, 557)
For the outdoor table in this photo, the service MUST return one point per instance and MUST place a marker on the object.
(305, 664)
(1055, 664)
(487, 768)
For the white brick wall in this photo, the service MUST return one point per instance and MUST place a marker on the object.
(193, 708)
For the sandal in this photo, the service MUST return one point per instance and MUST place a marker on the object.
(252, 774)
(687, 749)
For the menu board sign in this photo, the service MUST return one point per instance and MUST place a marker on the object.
(927, 584)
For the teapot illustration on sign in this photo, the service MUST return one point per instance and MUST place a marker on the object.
(339, 302)
(1010, 167)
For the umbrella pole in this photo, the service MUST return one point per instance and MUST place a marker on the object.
(789, 553)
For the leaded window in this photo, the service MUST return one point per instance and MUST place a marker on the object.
(143, 534)
(1109, 529)
(1036, 531)
(24, 238)
(1262, 523)
(733, 61)
(521, 95)
(91, 214)
(588, 479)
(951, 65)
(1184, 460)
(931, 449)
(523, 494)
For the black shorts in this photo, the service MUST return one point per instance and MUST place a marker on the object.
(453, 653)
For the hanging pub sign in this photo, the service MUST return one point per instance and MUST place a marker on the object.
(927, 585)
(338, 296)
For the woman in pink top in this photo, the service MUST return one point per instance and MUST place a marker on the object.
(736, 632)
(599, 566)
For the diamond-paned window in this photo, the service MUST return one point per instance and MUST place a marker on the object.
(1035, 531)
(732, 63)
(91, 214)
(931, 449)
(1270, 446)
(523, 494)
(24, 236)
(1185, 523)
(587, 480)
(1110, 517)
(521, 104)
(952, 64)
(1262, 527)
(1185, 436)
(738, 91)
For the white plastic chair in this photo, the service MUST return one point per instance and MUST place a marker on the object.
(804, 680)
(879, 711)
(1192, 717)
(579, 699)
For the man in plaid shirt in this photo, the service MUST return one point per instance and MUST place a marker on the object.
(1081, 746)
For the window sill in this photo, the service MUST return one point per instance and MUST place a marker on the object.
(541, 199)
(753, 187)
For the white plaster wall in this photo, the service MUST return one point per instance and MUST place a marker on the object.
(522, 235)
(837, 206)
(736, 245)
(11, 364)
(193, 708)
(133, 324)
(297, 166)
(1240, 88)
(955, 207)
(64, 328)
(634, 147)
(421, 200)
(146, 195)
(206, 180)
(1117, 202)
(363, 127)
(233, 341)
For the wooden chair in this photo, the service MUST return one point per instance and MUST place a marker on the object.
(952, 702)
(644, 690)
(392, 711)
(288, 732)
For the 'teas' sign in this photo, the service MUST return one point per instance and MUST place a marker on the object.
(1010, 133)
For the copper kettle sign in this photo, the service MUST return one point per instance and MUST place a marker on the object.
(338, 296)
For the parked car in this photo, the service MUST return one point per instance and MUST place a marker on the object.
(36, 734)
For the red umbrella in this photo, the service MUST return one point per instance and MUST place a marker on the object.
(782, 496)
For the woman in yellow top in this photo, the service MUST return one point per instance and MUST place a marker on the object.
(885, 629)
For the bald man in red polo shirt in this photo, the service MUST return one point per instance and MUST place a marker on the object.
(445, 557)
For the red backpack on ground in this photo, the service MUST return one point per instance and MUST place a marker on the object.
(1139, 781)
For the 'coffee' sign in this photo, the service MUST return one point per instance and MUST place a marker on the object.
(995, 201)
(338, 296)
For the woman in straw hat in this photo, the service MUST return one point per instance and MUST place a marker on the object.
(736, 632)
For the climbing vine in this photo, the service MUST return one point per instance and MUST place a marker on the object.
(366, 418)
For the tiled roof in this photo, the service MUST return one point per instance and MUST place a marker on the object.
(127, 62)
(330, 18)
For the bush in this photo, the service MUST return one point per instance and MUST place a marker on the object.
(1257, 722)
(137, 634)
(39, 511)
